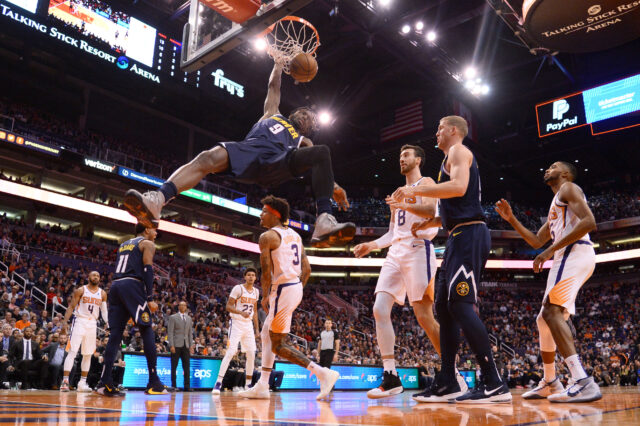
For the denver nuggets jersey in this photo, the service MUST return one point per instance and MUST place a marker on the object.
(245, 301)
(129, 260)
(276, 129)
(402, 221)
(562, 221)
(467, 208)
(89, 305)
(287, 258)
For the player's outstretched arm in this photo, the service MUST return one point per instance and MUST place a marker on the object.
(426, 210)
(272, 102)
(384, 241)
(536, 241)
(571, 194)
(306, 269)
(77, 294)
(340, 197)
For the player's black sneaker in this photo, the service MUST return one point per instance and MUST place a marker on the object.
(391, 385)
(440, 391)
(328, 232)
(108, 390)
(486, 394)
(156, 389)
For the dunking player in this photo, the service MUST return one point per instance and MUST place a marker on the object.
(568, 226)
(274, 151)
(242, 305)
(409, 269)
(466, 253)
(285, 271)
(131, 296)
(86, 305)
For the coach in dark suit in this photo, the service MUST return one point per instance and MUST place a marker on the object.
(5, 345)
(180, 332)
(25, 356)
(56, 354)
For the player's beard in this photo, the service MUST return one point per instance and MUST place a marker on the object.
(407, 169)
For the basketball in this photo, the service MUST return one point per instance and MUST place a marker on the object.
(303, 67)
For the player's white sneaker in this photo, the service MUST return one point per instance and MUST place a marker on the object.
(64, 387)
(259, 391)
(145, 207)
(583, 390)
(328, 232)
(543, 389)
(216, 389)
(83, 387)
(327, 380)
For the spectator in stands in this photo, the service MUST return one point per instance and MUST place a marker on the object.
(56, 354)
(27, 360)
(24, 322)
(5, 345)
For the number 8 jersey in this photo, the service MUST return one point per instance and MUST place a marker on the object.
(286, 258)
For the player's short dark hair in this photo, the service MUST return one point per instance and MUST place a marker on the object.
(417, 151)
(302, 108)
(250, 269)
(278, 204)
(140, 228)
(573, 171)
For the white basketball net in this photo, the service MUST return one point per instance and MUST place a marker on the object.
(289, 38)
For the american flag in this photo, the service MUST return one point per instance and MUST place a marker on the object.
(407, 120)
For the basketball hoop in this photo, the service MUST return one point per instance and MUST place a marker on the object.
(289, 37)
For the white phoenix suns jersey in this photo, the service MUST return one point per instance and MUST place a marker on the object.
(89, 305)
(286, 258)
(403, 220)
(245, 301)
(562, 221)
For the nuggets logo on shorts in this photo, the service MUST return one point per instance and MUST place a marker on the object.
(462, 288)
(145, 317)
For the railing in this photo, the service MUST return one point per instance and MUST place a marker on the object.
(359, 306)
(502, 346)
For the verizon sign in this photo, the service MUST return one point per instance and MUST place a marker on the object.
(97, 164)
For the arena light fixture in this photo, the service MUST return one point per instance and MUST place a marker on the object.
(97, 209)
(260, 44)
(405, 29)
(325, 118)
(470, 72)
(419, 25)
(384, 3)
(431, 36)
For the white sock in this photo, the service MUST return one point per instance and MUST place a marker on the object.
(389, 365)
(575, 367)
(549, 372)
(315, 369)
(264, 377)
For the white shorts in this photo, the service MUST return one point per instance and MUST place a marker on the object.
(283, 300)
(83, 332)
(242, 332)
(409, 270)
(569, 272)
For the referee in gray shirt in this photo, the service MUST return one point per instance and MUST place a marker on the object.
(329, 345)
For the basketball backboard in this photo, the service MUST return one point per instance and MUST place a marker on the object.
(210, 32)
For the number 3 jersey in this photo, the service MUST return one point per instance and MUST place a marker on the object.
(286, 258)
(245, 302)
(129, 261)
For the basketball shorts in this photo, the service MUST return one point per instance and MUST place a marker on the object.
(242, 332)
(259, 161)
(408, 270)
(128, 299)
(569, 272)
(465, 255)
(283, 300)
(83, 334)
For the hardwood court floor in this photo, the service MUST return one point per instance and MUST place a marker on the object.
(619, 406)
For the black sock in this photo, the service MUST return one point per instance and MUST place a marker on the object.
(169, 191)
(323, 205)
(149, 344)
(476, 334)
(449, 342)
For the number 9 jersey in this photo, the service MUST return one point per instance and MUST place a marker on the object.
(287, 257)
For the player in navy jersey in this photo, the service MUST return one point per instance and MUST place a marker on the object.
(275, 150)
(465, 255)
(131, 296)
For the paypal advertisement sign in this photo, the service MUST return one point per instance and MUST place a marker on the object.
(352, 377)
(204, 372)
(560, 115)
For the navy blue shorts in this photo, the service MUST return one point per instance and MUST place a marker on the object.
(128, 299)
(259, 161)
(465, 254)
